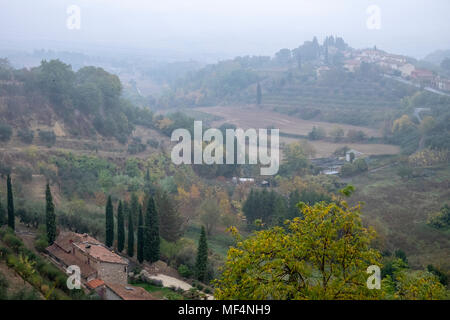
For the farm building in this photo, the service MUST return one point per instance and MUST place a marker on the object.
(352, 154)
(93, 258)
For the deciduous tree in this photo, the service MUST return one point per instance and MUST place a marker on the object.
(322, 256)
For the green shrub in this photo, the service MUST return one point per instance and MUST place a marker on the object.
(47, 137)
(207, 290)
(25, 174)
(155, 282)
(361, 165)
(4, 252)
(184, 271)
(12, 261)
(172, 296)
(153, 143)
(41, 244)
(26, 135)
(5, 132)
(13, 242)
(136, 147)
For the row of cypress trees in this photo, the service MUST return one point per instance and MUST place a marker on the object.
(50, 217)
(148, 238)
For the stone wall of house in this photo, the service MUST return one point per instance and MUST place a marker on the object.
(113, 272)
(108, 272)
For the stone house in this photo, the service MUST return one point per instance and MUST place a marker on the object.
(92, 257)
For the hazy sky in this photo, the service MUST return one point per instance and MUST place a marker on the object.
(223, 28)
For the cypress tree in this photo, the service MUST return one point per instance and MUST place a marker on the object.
(202, 256)
(140, 238)
(109, 215)
(134, 207)
(50, 217)
(3, 219)
(130, 248)
(120, 228)
(151, 233)
(10, 203)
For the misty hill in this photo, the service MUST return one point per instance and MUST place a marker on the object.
(437, 56)
(313, 81)
(79, 104)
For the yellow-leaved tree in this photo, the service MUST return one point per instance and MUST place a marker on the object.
(322, 255)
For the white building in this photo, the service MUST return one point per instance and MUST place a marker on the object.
(356, 155)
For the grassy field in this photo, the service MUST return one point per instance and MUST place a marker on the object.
(160, 292)
(219, 243)
(398, 209)
(326, 148)
(250, 117)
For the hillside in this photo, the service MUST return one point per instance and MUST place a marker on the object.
(77, 132)
(53, 101)
(326, 82)
(437, 56)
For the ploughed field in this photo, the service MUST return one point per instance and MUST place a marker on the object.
(252, 117)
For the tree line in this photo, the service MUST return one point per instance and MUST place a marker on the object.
(263, 207)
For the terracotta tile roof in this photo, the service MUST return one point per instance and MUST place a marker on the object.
(69, 259)
(101, 253)
(65, 240)
(128, 292)
(95, 283)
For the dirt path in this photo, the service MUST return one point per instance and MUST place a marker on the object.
(169, 282)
